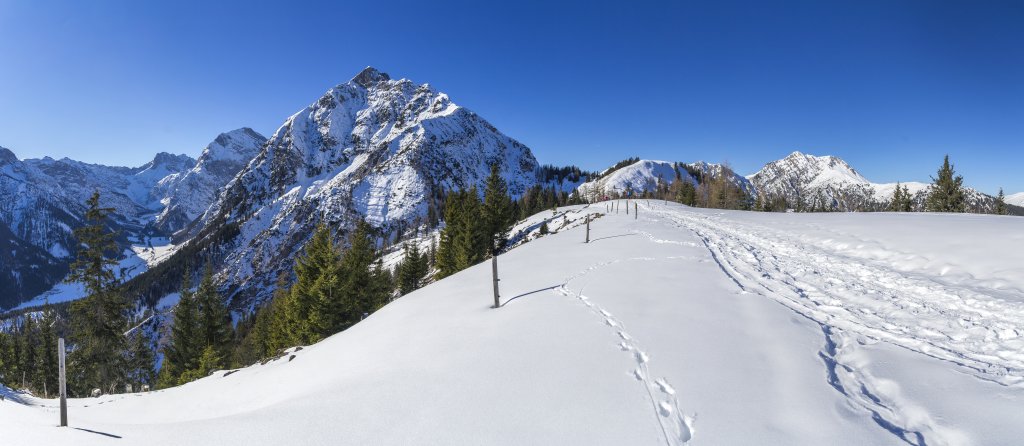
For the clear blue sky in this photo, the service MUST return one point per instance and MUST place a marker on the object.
(888, 85)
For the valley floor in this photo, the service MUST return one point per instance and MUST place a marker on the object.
(682, 326)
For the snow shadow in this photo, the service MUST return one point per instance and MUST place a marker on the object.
(97, 432)
(528, 293)
(611, 236)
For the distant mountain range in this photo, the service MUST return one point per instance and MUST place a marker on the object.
(371, 148)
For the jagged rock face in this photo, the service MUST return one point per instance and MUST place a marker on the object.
(43, 200)
(36, 220)
(128, 190)
(372, 148)
(186, 195)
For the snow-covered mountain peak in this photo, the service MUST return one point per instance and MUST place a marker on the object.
(369, 77)
(804, 169)
(371, 148)
(7, 156)
(235, 145)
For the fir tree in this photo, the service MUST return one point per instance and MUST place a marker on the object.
(412, 270)
(46, 367)
(215, 328)
(463, 240)
(316, 297)
(99, 320)
(497, 211)
(1000, 208)
(947, 194)
(362, 293)
(182, 353)
(142, 360)
(901, 201)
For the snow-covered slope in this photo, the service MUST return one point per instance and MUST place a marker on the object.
(1016, 199)
(371, 148)
(682, 326)
(185, 195)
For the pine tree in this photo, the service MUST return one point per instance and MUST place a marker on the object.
(142, 360)
(316, 297)
(498, 217)
(182, 353)
(412, 270)
(99, 320)
(947, 194)
(209, 362)
(46, 372)
(1000, 208)
(215, 328)
(901, 200)
(361, 293)
(463, 240)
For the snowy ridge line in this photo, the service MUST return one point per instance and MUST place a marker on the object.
(921, 316)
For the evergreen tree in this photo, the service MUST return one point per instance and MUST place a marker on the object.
(186, 345)
(947, 194)
(412, 270)
(316, 298)
(1000, 208)
(209, 362)
(361, 289)
(215, 328)
(6, 358)
(99, 320)
(463, 240)
(46, 367)
(142, 360)
(901, 199)
(498, 217)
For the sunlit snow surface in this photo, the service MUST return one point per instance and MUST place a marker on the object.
(682, 326)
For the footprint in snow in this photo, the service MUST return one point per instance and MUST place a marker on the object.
(665, 387)
(624, 336)
(625, 347)
(665, 408)
(611, 323)
(641, 357)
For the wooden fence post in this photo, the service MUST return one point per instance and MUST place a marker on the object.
(588, 229)
(494, 272)
(636, 211)
(63, 383)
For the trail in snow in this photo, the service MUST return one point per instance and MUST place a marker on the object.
(676, 427)
(858, 303)
(947, 322)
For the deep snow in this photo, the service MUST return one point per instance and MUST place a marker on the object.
(712, 327)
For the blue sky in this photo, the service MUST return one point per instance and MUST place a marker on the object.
(888, 85)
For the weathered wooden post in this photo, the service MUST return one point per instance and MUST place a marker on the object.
(636, 212)
(63, 383)
(494, 272)
(588, 229)
(627, 207)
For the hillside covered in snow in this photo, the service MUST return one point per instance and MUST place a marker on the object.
(675, 326)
